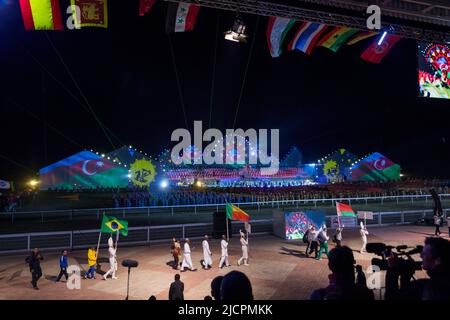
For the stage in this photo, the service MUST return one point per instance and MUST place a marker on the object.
(278, 268)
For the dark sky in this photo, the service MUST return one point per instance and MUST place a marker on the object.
(320, 102)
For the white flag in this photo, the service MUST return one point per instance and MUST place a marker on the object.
(4, 184)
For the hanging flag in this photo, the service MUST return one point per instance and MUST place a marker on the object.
(336, 38)
(145, 6)
(41, 14)
(306, 37)
(276, 32)
(114, 225)
(344, 210)
(5, 184)
(375, 53)
(181, 16)
(93, 13)
(236, 213)
(361, 36)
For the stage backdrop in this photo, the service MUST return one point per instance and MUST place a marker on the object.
(83, 170)
(296, 223)
(375, 167)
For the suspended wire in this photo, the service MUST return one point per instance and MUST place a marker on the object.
(245, 72)
(12, 102)
(62, 85)
(180, 93)
(211, 97)
(79, 90)
(17, 163)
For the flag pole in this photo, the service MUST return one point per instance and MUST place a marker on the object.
(226, 219)
(98, 243)
(117, 239)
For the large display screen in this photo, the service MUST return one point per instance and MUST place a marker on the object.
(298, 222)
(434, 70)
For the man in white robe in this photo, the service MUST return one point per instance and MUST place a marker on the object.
(112, 260)
(207, 259)
(244, 246)
(187, 260)
(224, 247)
(363, 231)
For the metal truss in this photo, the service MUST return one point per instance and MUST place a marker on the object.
(329, 17)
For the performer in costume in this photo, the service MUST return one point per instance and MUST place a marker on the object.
(175, 250)
(363, 231)
(112, 260)
(224, 247)
(207, 259)
(187, 260)
(323, 238)
(92, 261)
(244, 246)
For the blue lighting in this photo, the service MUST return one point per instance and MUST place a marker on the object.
(382, 38)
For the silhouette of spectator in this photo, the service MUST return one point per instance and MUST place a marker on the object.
(208, 298)
(236, 286)
(176, 291)
(152, 298)
(215, 287)
(342, 285)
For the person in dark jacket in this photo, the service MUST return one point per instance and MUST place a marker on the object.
(63, 264)
(34, 262)
(176, 289)
(342, 286)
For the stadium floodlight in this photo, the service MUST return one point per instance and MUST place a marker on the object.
(164, 184)
(33, 183)
(237, 31)
(382, 38)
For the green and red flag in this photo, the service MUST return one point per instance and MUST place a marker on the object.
(337, 38)
(344, 210)
(41, 14)
(114, 225)
(236, 213)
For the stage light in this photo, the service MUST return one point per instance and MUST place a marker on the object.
(164, 184)
(237, 31)
(33, 183)
(129, 176)
(382, 38)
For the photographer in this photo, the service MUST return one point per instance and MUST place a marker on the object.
(436, 262)
(342, 279)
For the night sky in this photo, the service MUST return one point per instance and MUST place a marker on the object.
(320, 102)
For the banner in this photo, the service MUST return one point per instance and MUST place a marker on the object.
(367, 215)
(296, 223)
(345, 221)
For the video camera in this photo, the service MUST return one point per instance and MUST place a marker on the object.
(395, 257)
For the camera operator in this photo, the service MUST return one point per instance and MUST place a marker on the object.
(436, 262)
(342, 284)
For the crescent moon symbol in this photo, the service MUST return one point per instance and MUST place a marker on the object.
(85, 170)
(377, 166)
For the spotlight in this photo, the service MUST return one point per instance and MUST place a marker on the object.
(164, 184)
(33, 183)
(237, 31)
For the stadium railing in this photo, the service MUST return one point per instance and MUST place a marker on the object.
(78, 239)
(198, 208)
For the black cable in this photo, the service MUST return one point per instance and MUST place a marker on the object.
(245, 72)
(180, 93)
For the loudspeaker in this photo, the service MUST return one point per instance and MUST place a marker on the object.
(220, 225)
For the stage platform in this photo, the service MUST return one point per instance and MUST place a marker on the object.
(278, 268)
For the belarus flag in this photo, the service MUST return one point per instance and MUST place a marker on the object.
(181, 17)
(344, 210)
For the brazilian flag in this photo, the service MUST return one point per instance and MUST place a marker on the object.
(114, 225)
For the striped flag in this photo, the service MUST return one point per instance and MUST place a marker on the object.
(41, 14)
(361, 36)
(181, 17)
(336, 38)
(236, 213)
(277, 29)
(307, 36)
(344, 210)
(375, 53)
